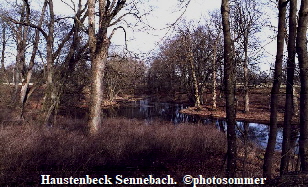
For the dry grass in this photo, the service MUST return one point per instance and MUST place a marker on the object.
(127, 147)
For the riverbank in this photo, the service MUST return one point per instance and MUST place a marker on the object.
(259, 108)
(254, 116)
(121, 99)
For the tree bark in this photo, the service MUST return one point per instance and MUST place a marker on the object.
(51, 98)
(246, 89)
(193, 71)
(95, 114)
(214, 65)
(289, 106)
(229, 81)
(21, 44)
(3, 69)
(301, 48)
(270, 149)
(99, 44)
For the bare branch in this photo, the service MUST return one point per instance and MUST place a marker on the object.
(28, 24)
(121, 17)
(120, 4)
(73, 8)
(113, 32)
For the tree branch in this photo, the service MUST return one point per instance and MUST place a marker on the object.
(28, 24)
(113, 32)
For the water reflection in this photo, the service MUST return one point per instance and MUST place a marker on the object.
(149, 111)
(145, 109)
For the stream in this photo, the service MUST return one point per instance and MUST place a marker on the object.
(150, 110)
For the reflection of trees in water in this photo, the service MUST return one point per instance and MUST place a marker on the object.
(294, 146)
(147, 110)
(222, 126)
(258, 133)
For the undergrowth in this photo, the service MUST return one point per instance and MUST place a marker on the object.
(122, 147)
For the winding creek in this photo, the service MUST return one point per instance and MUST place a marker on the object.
(148, 110)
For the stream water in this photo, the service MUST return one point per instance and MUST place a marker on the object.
(148, 110)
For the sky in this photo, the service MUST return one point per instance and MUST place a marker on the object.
(156, 24)
(145, 38)
(166, 13)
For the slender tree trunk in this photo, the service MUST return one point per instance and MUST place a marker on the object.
(214, 76)
(25, 86)
(289, 107)
(229, 81)
(193, 73)
(3, 69)
(50, 94)
(21, 39)
(295, 101)
(270, 149)
(191, 61)
(301, 48)
(246, 89)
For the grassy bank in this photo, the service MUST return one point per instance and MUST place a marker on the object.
(127, 147)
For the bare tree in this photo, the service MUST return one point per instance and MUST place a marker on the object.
(24, 92)
(301, 49)
(21, 33)
(51, 98)
(246, 17)
(229, 81)
(215, 34)
(191, 61)
(268, 158)
(289, 106)
(4, 43)
(99, 43)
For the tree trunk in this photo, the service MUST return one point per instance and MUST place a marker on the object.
(21, 44)
(229, 81)
(193, 74)
(191, 61)
(98, 65)
(214, 76)
(270, 149)
(95, 115)
(301, 48)
(289, 107)
(51, 98)
(25, 85)
(246, 108)
(3, 70)
(99, 43)
(295, 102)
(99, 51)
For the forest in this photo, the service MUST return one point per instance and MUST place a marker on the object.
(75, 105)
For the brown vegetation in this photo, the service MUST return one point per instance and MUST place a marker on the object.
(127, 147)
